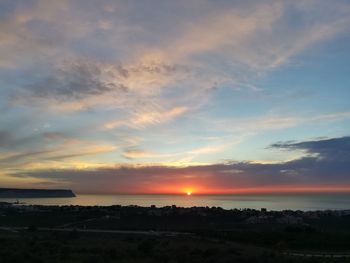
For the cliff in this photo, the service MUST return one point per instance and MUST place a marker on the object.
(35, 193)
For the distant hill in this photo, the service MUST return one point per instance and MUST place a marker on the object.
(35, 193)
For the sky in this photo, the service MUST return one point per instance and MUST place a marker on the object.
(212, 97)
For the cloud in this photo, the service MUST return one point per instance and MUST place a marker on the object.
(270, 121)
(135, 153)
(38, 29)
(227, 31)
(242, 40)
(76, 80)
(147, 118)
(254, 38)
(335, 149)
(209, 149)
(313, 173)
(57, 152)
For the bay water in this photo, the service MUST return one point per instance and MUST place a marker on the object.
(278, 202)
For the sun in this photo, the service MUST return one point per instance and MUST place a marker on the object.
(188, 191)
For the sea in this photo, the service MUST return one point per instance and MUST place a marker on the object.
(276, 202)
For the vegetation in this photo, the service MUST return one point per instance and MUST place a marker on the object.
(63, 234)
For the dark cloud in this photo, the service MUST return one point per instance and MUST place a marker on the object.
(335, 149)
(75, 80)
(80, 78)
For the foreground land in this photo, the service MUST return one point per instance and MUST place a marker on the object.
(170, 234)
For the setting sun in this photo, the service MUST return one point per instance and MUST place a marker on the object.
(189, 190)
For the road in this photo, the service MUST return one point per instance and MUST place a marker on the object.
(110, 231)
